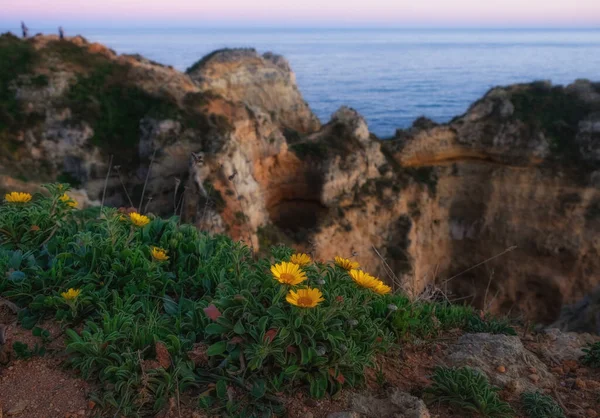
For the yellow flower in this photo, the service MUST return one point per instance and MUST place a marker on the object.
(17, 197)
(159, 254)
(346, 263)
(382, 288)
(288, 273)
(364, 279)
(71, 294)
(301, 259)
(139, 220)
(305, 298)
(66, 199)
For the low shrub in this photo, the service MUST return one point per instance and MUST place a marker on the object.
(490, 325)
(166, 307)
(161, 307)
(592, 355)
(420, 320)
(469, 390)
(538, 405)
(17, 57)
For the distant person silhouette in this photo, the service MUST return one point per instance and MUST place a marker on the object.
(25, 29)
(61, 33)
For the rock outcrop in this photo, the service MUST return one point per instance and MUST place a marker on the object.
(264, 82)
(499, 207)
(504, 359)
(398, 405)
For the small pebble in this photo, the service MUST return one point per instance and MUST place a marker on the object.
(501, 369)
(570, 365)
(580, 383)
(534, 378)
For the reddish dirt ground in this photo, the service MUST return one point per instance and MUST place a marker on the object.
(38, 388)
(42, 388)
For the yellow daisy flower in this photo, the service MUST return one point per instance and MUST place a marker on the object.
(346, 263)
(159, 254)
(17, 197)
(139, 220)
(301, 259)
(288, 273)
(382, 288)
(71, 294)
(66, 199)
(364, 279)
(305, 298)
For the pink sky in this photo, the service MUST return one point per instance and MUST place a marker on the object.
(570, 13)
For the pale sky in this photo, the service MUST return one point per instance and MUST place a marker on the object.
(443, 13)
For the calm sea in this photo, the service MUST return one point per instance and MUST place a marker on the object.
(390, 76)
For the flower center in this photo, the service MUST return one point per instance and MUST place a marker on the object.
(305, 301)
(287, 277)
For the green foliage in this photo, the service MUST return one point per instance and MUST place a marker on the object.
(211, 317)
(73, 54)
(147, 321)
(214, 196)
(538, 405)
(309, 149)
(17, 57)
(69, 179)
(592, 355)
(554, 111)
(420, 320)
(115, 107)
(270, 235)
(469, 390)
(490, 325)
(22, 350)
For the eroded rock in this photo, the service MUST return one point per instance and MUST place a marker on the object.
(523, 371)
(398, 405)
(566, 345)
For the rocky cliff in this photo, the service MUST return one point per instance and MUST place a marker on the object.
(500, 207)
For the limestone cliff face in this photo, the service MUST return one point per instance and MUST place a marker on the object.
(265, 82)
(504, 200)
(515, 171)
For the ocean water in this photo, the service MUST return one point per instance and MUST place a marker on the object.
(390, 76)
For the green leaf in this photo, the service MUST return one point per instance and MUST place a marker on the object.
(262, 323)
(217, 348)
(41, 332)
(258, 389)
(318, 387)
(205, 402)
(221, 389)
(304, 356)
(291, 370)
(171, 307)
(214, 329)
(239, 328)
(17, 276)
(28, 320)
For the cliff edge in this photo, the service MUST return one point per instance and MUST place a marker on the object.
(499, 207)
